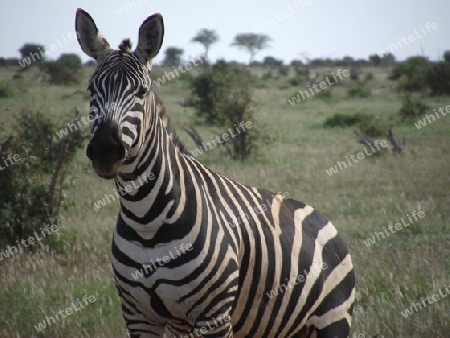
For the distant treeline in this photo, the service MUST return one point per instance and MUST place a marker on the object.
(271, 61)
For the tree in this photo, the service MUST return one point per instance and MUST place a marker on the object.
(447, 56)
(173, 56)
(411, 73)
(375, 59)
(272, 62)
(347, 61)
(63, 71)
(388, 59)
(251, 42)
(222, 95)
(206, 37)
(35, 51)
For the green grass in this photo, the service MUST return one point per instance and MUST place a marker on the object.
(360, 200)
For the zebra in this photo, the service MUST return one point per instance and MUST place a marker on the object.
(281, 271)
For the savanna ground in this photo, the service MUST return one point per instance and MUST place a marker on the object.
(365, 198)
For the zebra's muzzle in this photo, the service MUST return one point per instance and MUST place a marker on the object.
(106, 150)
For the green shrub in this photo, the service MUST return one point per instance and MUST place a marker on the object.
(324, 94)
(358, 90)
(283, 71)
(367, 124)
(355, 72)
(221, 95)
(267, 76)
(295, 81)
(438, 78)
(5, 90)
(343, 120)
(40, 134)
(64, 71)
(372, 126)
(30, 197)
(412, 109)
(369, 77)
(216, 88)
(413, 70)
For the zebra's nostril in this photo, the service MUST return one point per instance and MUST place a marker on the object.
(89, 152)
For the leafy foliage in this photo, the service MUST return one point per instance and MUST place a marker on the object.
(375, 59)
(358, 89)
(438, 78)
(367, 123)
(412, 109)
(446, 56)
(271, 61)
(6, 90)
(32, 49)
(172, 56)
(344, 120)
(251, 42)
(206, 37)
(63, 71)
(30, 198)
(221, 95)
(413, 70)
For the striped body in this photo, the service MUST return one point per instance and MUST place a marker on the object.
(246, 242)
(195, 253)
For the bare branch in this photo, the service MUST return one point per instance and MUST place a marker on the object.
(195, 136)
(396, 146)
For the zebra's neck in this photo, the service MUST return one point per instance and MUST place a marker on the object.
(151, 184)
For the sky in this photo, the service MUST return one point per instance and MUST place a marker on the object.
(298, 28)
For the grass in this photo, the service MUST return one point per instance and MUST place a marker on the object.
(360, 200)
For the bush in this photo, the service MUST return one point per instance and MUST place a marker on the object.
(324, 94)
(369, 77)
(295, 81)
(342, 120)
(30, 198)
(63, 71)
(354, 73)
(221, 95)
(438, 78)
(372, 126)
(267, 76)
(446, 56)
(283, 71)
(367, 124)
(6, 90)
(413, 72)
(412, 109)
(40, 135)
(358, 90)
(216, 88)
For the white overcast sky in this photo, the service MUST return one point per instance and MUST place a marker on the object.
(326, 28)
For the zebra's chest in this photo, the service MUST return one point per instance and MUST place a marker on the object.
(157, 279)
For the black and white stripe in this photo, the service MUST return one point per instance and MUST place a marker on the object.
(221, 286)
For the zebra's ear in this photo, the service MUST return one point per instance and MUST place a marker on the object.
(90, 39)
(151, 35)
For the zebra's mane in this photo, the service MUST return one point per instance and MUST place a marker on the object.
(125, 46)
(161, 110)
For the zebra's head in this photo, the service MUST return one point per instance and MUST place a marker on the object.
(120, 91)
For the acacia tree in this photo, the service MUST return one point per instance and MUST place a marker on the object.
(206, 37)
(173, 56)
(251, 42)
